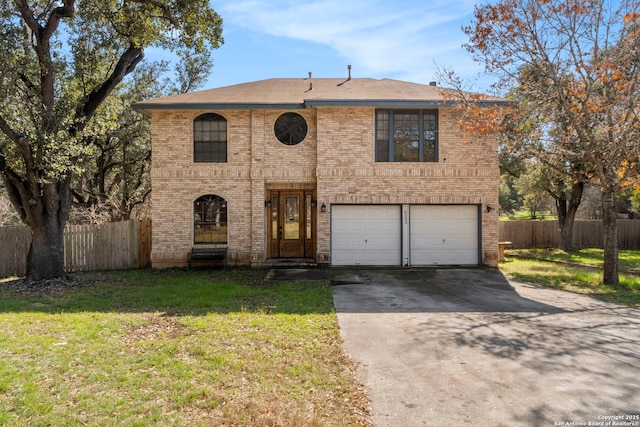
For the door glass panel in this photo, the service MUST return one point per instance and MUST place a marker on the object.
(292, 217)
(308, 216)
(274, 217)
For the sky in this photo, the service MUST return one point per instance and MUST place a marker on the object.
(401, 39)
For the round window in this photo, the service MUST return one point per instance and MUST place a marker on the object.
(290, 128)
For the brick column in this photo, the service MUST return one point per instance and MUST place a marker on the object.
(258, 225)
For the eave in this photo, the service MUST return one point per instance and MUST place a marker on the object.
(385, 103)
(145, 108)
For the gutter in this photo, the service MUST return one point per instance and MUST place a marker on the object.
(145, 108)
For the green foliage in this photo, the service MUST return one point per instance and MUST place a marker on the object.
(115, 183)
(83, 52)
(635, 199)
(63, 64)
(534, 185)
(510, 199)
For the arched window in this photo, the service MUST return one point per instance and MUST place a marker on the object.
(210, 138)
(210, 219)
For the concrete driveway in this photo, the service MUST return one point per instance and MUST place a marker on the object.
(452, 347)
(445, 347)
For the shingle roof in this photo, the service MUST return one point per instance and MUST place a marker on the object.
(301, 93)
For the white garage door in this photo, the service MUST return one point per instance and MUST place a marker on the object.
(366, 235)
(444, 235)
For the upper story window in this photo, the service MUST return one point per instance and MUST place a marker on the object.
(406, 135)
(210, 219)
(210, 138)
(290, 128)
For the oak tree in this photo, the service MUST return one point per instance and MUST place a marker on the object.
(61, 60)
(573, 67)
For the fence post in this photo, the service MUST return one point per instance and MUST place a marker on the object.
(144, 243)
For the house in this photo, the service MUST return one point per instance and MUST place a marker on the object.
(339, 171)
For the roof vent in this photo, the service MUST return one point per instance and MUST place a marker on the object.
(348, 78)
(433, 83)
(309, 74)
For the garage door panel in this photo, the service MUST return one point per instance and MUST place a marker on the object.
(365, 235)
(444, 235)
(372, 235)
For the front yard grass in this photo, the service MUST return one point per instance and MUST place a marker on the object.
(539, 267)
(525, 215)
(203, 348)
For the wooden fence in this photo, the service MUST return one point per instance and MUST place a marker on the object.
(128, 244)
(586, 234)
(108, 246)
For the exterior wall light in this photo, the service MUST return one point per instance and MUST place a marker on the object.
(323, 208)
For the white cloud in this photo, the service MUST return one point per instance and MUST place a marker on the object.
(401, 38)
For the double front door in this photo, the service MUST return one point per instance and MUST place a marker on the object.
(291, 224)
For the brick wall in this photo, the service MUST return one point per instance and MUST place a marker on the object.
(465, 174)
(337, 158)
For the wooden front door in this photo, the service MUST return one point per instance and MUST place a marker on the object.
(291, 224)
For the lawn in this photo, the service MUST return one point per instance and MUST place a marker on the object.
(628, 261)
(571, 276)
(203, 348)
(525, 215)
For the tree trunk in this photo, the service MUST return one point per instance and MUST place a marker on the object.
(610, 276)
(567, 214)
(45, 211)
(566, 231)
(45, 259)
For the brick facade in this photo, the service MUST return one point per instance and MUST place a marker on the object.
(336, 159)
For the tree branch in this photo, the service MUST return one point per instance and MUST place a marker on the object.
(43, 50)
(16, 187)
(64, 11)
(23, 147)
(127, 63)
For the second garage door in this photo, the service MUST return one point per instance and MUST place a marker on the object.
(444, 235)
(366, 235)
